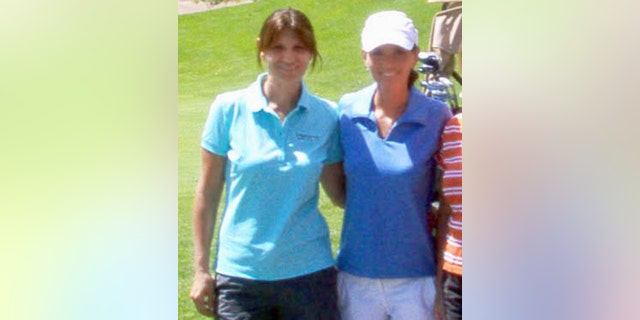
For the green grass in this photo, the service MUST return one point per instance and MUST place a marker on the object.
(216, 53)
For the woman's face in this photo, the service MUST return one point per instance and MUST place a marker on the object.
(390, 63)
(287, 58)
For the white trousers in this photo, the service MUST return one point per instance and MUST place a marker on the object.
(380, 299)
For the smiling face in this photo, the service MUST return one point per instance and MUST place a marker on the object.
(287, 57)
(390, 64)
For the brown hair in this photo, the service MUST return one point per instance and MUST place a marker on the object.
(413, 76)
(288, 19)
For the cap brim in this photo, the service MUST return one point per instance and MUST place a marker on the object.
(389, 38)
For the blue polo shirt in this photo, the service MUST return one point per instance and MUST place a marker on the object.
(389, 187)
(271, 228)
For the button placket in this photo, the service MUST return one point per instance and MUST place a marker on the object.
(289, 142)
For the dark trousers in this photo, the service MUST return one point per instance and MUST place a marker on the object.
(452, 294)
(313, 297)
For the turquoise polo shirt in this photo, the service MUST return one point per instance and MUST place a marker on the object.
(389, 187)
(271, 228)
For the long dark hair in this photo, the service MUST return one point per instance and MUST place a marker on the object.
(413, 76)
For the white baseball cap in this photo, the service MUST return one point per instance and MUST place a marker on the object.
(389, 27)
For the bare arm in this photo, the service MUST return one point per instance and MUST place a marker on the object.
(207, 200)
(333, 183)
(442, 227)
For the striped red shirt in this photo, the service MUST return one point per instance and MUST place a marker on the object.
(451, 164)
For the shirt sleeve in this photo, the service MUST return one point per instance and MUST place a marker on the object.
(215, 137)
(334, 151)
(450, 142)
(450, 157)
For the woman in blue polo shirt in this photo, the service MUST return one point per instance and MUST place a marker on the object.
(271, 144)
(390, 133)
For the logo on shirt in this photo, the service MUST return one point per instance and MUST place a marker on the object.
(307, 137)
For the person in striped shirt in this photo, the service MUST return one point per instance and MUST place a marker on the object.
(449, 226)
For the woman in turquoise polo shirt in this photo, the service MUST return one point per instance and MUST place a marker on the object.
(390, 133)
(271, 144)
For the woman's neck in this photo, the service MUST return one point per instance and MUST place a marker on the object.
(391, 99)
(282, 96)
(388, 106)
